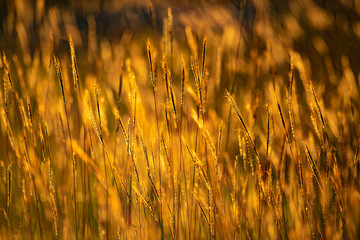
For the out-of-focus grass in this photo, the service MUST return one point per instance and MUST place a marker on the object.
(184, 120)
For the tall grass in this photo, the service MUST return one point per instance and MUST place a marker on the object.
(193, 135)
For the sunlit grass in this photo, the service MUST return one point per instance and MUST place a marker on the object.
(176, 133)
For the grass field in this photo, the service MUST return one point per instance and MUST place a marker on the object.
(180, 120)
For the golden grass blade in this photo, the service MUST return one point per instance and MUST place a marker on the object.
(267, 132)
(198, 167)
(92, 120)
(237, 112)
(317, 105)
(183, 66)
(282, 121)
(150, 60)
(314, 169)
(98, 107)
(9, 185)
(195, 69)
(203, 59)
(60, 77)
(9, 231)
(74, 66)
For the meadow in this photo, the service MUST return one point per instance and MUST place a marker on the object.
(180, 120)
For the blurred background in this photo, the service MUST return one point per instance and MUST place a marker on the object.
(327, 32)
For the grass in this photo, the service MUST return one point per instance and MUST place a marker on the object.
(185, 135)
